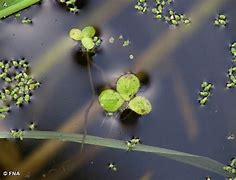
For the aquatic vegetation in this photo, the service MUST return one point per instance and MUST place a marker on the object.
(126, 43)
(171, 17)
(141, 6)
(26, 20)
(132, 143)
(32, 126)
(205, 93)
(19, 85)
(231, 77)
(18, 134)
(175, 19)
(87, 37)
(159, 9)
(112, 167)
(110, 100)
(233, 49)
(221, 20)
(126, 88)
(70, 4)
(231, 168)
(9, 7)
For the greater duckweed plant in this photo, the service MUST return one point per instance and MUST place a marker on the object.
(221, 20)
(18, 84)
(124, 96)
(205, 92)
(86, 37)
(71, 5)
(9, 7)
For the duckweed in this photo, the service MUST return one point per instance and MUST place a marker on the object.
(110, 100)
(221, 20)
(17, 134)
(86, 37)
(126, 88)
(205, 93)
(231, 168)
(26, 20)
(132, 143)
(141, 6)
(71, 5)
(233, 49)
(171, 17)
(175, 19)
(231, 77)
(112, 167)
(19, 85)
(126, 43)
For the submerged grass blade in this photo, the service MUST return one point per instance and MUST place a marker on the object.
(9, 7)
(194, 160)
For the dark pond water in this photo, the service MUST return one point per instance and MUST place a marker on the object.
(176, 122)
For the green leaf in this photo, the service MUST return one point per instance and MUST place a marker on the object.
(110, 100)
(140, 105)
(88, 43)
(191, 159)
(127, 85)
(75, 34)
(9, 7)
(88, 31)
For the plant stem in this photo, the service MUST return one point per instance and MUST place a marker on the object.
(16, 7)
(194, 160)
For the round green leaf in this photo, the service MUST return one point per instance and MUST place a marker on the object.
(88, 43)
(88, 31)
(110, 100)
(75, 34)
(127, 85)
(140, 105)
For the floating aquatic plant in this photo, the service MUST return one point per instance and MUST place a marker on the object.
(205, 92)
(171, 17)
(132, 143)
(231, 168)
(112, 167)
(87, 37)
(158, 11)
(221, 20)
(19, 85)
(233, 49)
(141, 6)
(71, 5)
(126, 88)
(175, 19)
(110, 100)
(231, 77)
(9, 7)
(26, 20)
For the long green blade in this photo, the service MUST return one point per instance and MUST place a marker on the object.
(9, 7)
(194, 160)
